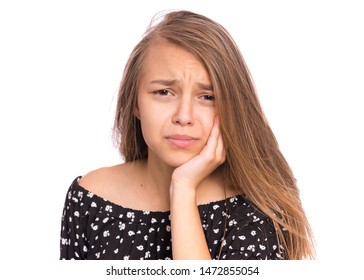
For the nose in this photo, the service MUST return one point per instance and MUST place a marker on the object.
(184, 112)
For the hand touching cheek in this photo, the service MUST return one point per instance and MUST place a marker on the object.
(191, 173)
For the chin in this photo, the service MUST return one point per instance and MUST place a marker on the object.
(177, 161)
(172, 158)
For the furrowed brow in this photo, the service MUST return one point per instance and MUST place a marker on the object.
(170, 82)
(164, 82)
(205, 86)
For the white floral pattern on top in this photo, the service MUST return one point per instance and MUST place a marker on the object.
(94, 228)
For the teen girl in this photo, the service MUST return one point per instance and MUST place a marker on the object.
(203, 176)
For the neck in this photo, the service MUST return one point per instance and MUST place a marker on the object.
(157, 175)
(156, 179)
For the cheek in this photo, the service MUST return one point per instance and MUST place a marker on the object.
(147, 123)
(207, 122)
(151, 122)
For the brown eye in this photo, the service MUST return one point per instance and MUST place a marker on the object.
(208, 97)
(161, 92)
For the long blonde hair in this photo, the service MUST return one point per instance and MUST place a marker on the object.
(254, 165)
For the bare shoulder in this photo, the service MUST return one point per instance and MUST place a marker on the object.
(109, 182)
(94, 179)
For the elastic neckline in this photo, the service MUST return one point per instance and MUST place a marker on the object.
(136, 215)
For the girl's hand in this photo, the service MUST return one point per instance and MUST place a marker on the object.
(191, 173)
(188, 238)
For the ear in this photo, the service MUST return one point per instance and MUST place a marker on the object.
(136, 113)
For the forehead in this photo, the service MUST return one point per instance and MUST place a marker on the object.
(164, 58)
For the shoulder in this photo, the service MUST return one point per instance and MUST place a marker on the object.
(94, 180)
(108, 182)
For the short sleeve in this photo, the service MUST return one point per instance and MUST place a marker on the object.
(252, 237)
(73, 243)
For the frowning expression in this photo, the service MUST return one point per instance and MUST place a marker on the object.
(176, 104)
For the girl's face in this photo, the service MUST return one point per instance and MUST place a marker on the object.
(176, 105)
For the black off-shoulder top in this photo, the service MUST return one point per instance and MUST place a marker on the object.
(95, 228)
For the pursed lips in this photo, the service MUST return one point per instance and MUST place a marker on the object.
(181, 140)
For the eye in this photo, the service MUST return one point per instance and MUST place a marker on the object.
(163, 92)
(208, 97)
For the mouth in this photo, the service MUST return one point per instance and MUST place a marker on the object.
(181, 141)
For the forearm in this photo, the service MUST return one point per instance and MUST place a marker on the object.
(188, 239)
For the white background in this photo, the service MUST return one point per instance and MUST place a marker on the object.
(60, 66)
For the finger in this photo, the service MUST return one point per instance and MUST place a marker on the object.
(212, 141)
(215, 131)
(220, 150)
(215, 146)
(217, 134)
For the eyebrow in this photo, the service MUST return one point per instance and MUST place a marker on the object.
(170, 82)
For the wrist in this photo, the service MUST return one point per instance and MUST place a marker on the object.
(182, 191)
